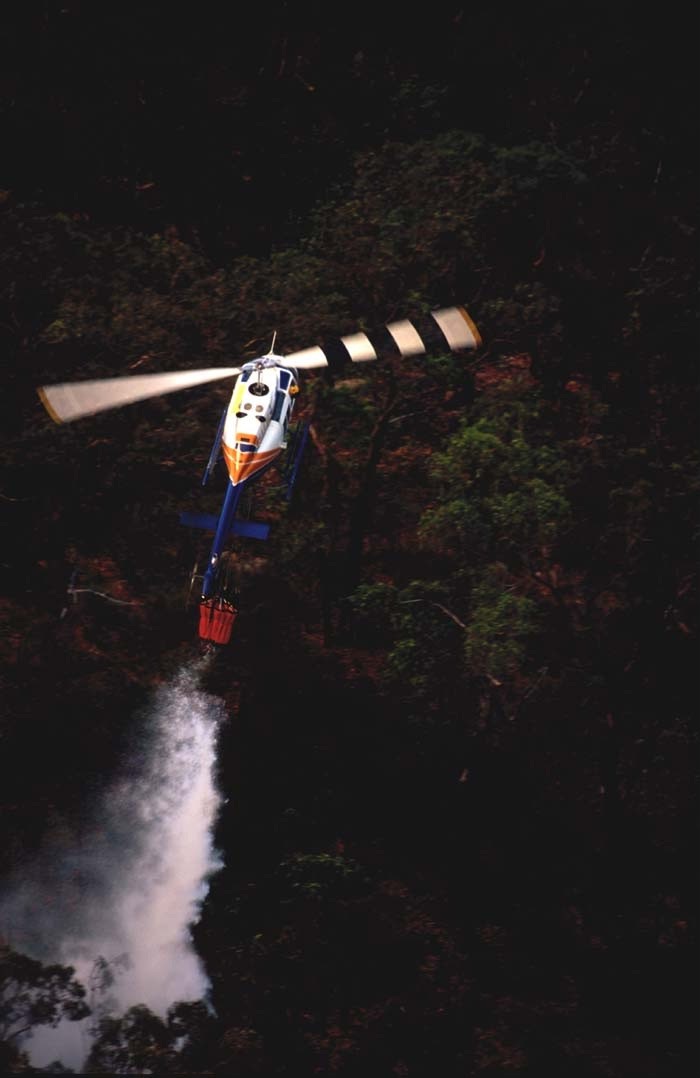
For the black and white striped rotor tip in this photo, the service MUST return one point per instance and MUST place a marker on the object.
(449, 327)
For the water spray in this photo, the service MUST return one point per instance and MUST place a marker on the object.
(128, 892)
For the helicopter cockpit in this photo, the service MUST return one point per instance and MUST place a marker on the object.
(261, 407)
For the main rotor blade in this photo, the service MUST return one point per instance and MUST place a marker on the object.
(450, 326)
(66, 401)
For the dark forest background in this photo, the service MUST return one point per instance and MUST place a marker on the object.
(462, 749)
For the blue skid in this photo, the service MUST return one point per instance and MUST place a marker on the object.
(298, 444)
(215, 449)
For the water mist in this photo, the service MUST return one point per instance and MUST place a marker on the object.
(125, 893)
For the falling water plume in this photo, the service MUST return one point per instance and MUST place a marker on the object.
(127, 894)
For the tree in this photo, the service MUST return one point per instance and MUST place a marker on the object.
(138, 1042)
(32, 994)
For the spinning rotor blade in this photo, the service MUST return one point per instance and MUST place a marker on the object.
(66, 401)
(450, 326)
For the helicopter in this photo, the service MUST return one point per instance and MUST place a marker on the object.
(255, 430)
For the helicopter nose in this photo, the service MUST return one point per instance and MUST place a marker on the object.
(238, 467)
(237, 472)
(242, 465)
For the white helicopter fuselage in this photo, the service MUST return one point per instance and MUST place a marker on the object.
(258, 416)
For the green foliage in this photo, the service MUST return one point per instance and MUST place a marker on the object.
(528, 312)
(538, 164)
(319, 875)
(293, 292)
(473, 460)
(414, 97)
(348, 412)
(408, 215)
(456, 524)
(499, 492)
(534, 515)
(632, 506)
(375, 604)
(420, 633)
(448, 371)
(500, 624)
(137, 1042)
(135, 297)
(501, 497)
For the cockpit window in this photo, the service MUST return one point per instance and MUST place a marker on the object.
(284, 379)
(280, 398)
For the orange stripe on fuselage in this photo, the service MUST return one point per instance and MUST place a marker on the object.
(242, 466)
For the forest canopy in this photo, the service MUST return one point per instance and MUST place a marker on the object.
(461, 840)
